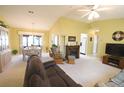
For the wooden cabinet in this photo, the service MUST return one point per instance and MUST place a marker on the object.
(72, 50)
(105, 59)
(5, 58)
(114, 61)
(4, 39)
(5, 53)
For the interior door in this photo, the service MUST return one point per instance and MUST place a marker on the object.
(83, 44)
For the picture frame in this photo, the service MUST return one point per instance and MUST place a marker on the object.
(71, 38)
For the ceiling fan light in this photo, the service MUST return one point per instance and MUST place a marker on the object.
(91, 15)
(96, 15)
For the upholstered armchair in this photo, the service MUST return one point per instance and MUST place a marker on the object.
(56, 54)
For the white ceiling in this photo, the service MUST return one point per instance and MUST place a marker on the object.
(105, 12)
(45, 16)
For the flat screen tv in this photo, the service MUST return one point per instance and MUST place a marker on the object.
(115, 49)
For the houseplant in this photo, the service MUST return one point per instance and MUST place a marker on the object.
(53, 45)
(14, 51)
(3, 24)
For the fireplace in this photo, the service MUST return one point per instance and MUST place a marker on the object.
(72, 50)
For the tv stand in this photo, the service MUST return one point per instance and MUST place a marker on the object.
(114, 61)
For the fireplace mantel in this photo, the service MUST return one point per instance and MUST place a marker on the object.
(72, 50)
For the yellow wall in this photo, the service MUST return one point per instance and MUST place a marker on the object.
(2, 19)
(68, 27)
(107, 28)
(14, 38)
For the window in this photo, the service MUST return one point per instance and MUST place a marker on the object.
(29, 40)
(25, 40)
(55, 39)
(4, 43)
(37, 40)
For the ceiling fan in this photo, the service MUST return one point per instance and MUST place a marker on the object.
(92, 12)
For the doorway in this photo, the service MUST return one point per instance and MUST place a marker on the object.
(55, 39)
(62, 45)
(95, 45)
(83, 44)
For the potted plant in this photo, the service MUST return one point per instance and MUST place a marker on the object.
(14, 51)
(53, 45)
(3, 24)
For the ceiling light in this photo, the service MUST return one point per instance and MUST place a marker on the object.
(90, 17)
(96, 15)
(31, 12)
(93, 14)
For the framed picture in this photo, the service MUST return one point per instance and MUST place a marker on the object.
(71, 38)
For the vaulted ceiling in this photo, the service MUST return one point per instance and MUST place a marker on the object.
(44, 16)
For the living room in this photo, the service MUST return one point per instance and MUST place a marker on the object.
(63, 26)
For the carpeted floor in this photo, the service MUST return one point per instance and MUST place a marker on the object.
(90, 67)
(88, 71)
(13, 75)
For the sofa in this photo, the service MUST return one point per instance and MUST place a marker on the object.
(116, 81)
(35, 75)
(47, 74)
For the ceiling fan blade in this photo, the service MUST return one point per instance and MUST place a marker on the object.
(93, 15)
(103, 9)
(85, 15)
(95, 7)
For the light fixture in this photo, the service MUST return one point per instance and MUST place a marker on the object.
(93, 14)
(31, 12)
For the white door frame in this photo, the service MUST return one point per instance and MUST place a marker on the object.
(86, 43)
(95, 45)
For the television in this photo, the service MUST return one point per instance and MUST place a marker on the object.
(115, 49)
